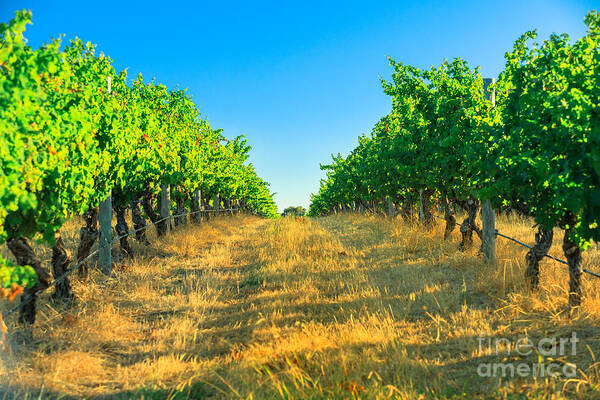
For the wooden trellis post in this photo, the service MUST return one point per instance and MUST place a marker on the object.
(488, 234)
(216, 204)
(105, 222)
(165, 206)
(196, 207)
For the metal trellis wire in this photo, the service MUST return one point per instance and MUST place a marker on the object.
(529, 247)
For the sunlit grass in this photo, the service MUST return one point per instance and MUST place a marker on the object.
(346, 306)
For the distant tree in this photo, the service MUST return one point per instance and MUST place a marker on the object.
(294, 212)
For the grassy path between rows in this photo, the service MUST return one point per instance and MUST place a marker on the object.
(337, 307)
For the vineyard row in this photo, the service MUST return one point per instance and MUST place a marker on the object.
(78, 138)
(527, 143)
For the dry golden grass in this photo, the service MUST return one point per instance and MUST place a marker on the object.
(346, 306)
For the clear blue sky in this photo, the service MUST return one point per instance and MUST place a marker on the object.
(299, 79)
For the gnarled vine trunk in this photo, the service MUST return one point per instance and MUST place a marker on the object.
(180, 210)
(449, 217)
(60, 264)
(469, 225)
(543, 242)
(122, 229)
(87, 237)
(25, 255)
(573, 254)
(139, 222)
(425, 207)
(148, 207)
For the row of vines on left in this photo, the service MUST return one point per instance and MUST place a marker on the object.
(73, 132)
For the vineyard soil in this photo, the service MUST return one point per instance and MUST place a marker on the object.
(345, 306)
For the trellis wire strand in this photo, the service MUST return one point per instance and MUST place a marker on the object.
(529, 247)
